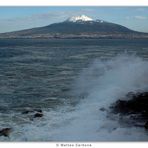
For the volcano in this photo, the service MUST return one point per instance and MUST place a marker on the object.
(78, 27)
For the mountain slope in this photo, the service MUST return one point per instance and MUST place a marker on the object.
(81, 26)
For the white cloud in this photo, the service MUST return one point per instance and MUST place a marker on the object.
(141, 9)
(139, 17)
(38, 20)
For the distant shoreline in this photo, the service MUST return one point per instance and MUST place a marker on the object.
(78, 37)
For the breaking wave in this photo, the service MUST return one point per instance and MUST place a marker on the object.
(98, 86)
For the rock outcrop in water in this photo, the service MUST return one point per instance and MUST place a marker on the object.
(137, 107)
(36, 113)
(5, 132)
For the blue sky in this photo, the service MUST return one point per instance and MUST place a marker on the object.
(18, 18)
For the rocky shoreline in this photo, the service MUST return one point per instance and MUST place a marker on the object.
(31, 113)
(132, 110)
(135, 106)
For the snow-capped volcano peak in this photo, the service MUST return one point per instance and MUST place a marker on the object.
(80, 18)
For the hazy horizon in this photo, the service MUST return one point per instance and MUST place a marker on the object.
(20, 18)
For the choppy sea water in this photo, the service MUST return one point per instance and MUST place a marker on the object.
(70, 80)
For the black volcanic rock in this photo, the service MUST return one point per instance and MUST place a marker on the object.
(137, 107)
(5, 132)
(146, 125)
(138, 104)
(37, 115)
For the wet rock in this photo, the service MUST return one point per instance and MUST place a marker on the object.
(102, 109)
(5, 132)
(135, 106)
(138, 104)
(121, 106)
(27, 111)
(38, 115)
(146, 125)
(33, 113)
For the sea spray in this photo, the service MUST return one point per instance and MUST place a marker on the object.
(98, 86)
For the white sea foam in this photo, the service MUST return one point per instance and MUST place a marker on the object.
(101, 84)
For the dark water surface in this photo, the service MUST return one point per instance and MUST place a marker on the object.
(32, 70)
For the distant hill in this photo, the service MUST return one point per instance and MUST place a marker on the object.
(77, 27)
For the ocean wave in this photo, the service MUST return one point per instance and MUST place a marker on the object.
(98, 86)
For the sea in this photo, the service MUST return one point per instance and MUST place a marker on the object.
(74, 82)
